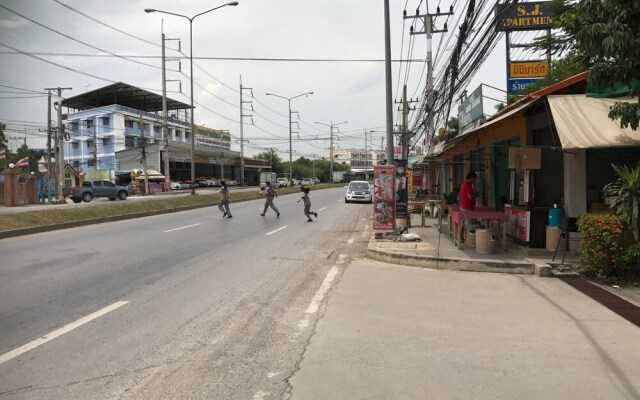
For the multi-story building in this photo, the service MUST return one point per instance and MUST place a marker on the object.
(361, 162)
(117, 117)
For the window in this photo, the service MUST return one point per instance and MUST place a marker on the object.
(128, 124)
(76, 164)
(129, 143)
(92, 163)
(108, 184)
(74, 126)
(89, 123)
(156, 129)
(106, 141)
(75, 145)
(90, 143)
(105, 121)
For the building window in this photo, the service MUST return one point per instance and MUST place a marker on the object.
(128, 124)
(105, 121)
(91, 163)
(75, 145)
(76, 164)
(89, 123)
(129, 142)
(106, 141)
(90, 143)
(156, 129)
(73, 127)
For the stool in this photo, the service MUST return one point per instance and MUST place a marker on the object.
(568, 225)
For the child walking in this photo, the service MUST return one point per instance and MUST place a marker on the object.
(223, 205)
(307, 203)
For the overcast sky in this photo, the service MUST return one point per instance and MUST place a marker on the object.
(325, 29)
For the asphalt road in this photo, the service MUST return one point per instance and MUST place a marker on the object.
(190, 305)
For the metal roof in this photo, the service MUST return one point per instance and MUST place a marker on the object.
(124, 95)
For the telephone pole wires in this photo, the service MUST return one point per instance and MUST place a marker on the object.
(428, 30)
(331, 126)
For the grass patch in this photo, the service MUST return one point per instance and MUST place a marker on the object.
(29, 219)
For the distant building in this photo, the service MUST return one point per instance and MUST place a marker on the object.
(116, 117)
(361, 162)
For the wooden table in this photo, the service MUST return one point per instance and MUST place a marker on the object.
(416, 207)
(457, 216)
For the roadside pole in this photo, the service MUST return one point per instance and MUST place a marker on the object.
(49, 191)
(144, 157)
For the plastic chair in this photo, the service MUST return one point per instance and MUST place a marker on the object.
(568, 225)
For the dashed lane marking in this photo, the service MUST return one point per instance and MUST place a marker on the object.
(180, 228)
(277, 230)
(322, 209)
(59, 332)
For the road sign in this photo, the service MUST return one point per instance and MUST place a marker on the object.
(519, 84)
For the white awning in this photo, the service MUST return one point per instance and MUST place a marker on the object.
(583, 123)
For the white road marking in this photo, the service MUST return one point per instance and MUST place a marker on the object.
(322, 290)
(350, 241)
(322, 209)
(260, 395)
(59, 332)
(272, 374)
(277, 230)
(182, 227)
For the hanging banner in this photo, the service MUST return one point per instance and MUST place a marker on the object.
(384, 196)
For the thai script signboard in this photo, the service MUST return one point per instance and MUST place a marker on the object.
(517, 85)
(384, 196)
(528, 69)
(523, 16)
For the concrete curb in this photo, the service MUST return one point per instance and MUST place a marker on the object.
(94, 221)
(525, 268)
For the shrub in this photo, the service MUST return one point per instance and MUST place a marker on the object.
(605, 247)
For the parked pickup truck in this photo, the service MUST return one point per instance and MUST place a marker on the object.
(91, 189)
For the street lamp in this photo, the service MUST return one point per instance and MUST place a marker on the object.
(290, 147)
(193, 130)
(331, 146)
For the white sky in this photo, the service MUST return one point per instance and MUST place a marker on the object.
(344, 91)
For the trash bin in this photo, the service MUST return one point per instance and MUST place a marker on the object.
(485, 241)
(555, 215)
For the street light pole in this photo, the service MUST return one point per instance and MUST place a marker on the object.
(331, 126)
(290, 139)
(193, 132)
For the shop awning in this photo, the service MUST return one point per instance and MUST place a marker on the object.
(583, 123)
(415, 160)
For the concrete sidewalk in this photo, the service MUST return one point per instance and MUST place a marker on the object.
(395, 332)
(437, 251)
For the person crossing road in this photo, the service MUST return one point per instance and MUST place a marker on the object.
(307, 203)
(223, 205)
(270, 194)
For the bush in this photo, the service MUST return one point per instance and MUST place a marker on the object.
(606, 250)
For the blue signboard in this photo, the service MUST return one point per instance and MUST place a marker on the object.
(518, 84)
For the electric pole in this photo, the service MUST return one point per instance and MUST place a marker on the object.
(242, 115)
(165, 120)
(144, 157)
(428, 22)
(59, 146)
(49, 191)
(405, 135)
(331, 126)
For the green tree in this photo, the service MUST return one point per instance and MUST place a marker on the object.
(625, 194)
(453, 127)
(274, 159)
(607, 34)
(3, 143)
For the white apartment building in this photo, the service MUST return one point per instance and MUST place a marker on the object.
(116, 117)
(359, 160)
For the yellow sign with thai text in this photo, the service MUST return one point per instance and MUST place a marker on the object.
(528, 69)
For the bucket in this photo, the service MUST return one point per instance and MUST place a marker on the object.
(553, 235)
(555, 215)
(485, 241)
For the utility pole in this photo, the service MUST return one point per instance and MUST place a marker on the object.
(49, 192)
(242, 115)
(405, 135)
(144, 157)
(165, 120)
(95, 145)
(331, 126)
(428, 22)
(388, 89)
(59, 147)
